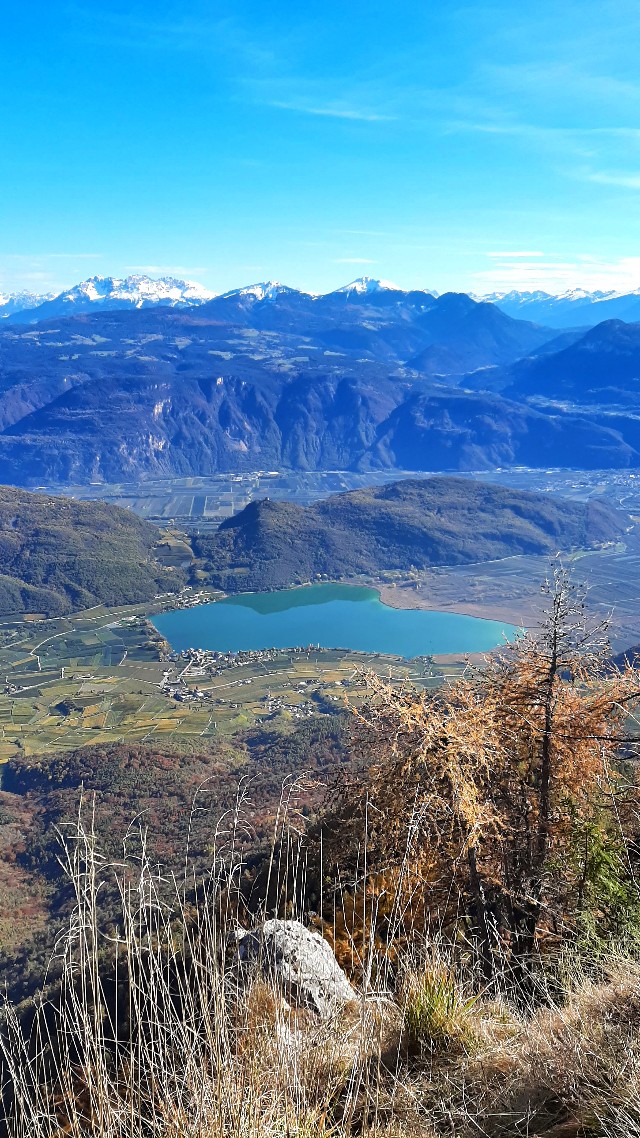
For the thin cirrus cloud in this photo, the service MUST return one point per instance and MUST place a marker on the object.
(614, 178)
(516, 254)
(199, 33)
(49, 272)
(40, 258)
(354, 261)
(355, 114)
(583, 271)
(167, 270)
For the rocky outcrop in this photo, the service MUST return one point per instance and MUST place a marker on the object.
(297, 962)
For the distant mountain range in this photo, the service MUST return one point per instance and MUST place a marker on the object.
(106, 293)
(24, 301)
(264, 378)
(112, 293)
(241, 383)
(573, 309)
(409, 524)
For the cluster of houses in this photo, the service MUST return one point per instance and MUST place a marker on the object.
(187, 598)
(178, 689)
(274, 704)
(202, 661)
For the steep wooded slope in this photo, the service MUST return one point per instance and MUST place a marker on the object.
(58, 555)
(437, 521)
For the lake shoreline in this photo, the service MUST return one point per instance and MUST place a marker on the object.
(403, 598)
(346, 615)
(406, 598)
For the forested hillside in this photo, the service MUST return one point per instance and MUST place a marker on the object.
(436, 521)
(58, 555)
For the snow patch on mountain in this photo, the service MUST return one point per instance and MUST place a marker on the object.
(137, 290)
(263, 290)
(11, 302)
(572, 295)
(108, 293)
(576, 307)
(366, 285)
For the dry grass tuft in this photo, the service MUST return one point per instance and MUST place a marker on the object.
(147, 1037)
(437, 1014)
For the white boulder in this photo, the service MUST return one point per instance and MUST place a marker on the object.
(299, 963)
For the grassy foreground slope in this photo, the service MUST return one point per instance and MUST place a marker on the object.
(58, 555)
(404, 525)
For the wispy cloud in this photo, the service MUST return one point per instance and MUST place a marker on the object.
(365, 233)
(621, 274)
(201, 32)
(517, 253)
(331, 111)
(167, 270)
(579, 79)
(46, 272)
(42, 258)
(354, 261)
(629, 181)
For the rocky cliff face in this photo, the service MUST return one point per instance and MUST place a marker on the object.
(289, 383)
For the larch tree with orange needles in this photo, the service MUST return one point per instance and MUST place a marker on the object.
(477, 798)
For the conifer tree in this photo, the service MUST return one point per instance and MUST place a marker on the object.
(494, 804)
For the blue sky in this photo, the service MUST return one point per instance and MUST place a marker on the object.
(436, 145)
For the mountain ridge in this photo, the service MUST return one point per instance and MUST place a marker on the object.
(137, 291)
(236, 385)
(576, 307)
(599, 369)
(416, 523)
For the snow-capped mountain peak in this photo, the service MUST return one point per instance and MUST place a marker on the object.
(11, 302)
(137, 290)
(263, 290)
(575, 307)
(365, 285)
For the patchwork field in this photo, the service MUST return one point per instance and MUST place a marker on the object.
(203, 502)
(103, 675)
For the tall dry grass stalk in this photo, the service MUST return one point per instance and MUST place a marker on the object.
(152, 1031)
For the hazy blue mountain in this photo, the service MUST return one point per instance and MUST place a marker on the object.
(11, 303)
(246, 383)
(463, 333)
(602, 368)
(575, 308)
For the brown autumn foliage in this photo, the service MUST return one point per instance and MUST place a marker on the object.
(499, 806)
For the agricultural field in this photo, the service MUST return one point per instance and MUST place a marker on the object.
(201, 503)
(104, 676)
(509, 589)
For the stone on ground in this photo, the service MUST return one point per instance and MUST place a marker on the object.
(299, 963)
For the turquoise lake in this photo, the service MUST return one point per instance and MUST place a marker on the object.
(333, 616)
